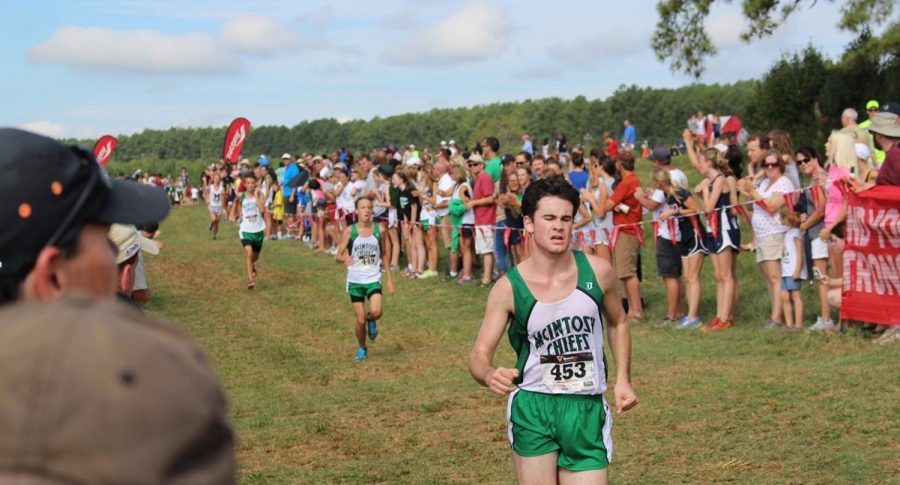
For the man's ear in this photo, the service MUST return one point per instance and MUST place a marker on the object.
(45, 282)
(529, 224)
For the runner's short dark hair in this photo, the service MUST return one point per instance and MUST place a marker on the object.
(555, 186)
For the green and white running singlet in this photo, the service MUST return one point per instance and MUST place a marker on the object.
(251, 216)
(559, 404)
(365, 252)
(559, 345)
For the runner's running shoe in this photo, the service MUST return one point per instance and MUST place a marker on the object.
(361, 354)
(372, 328)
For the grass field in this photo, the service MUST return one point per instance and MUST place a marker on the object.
(746, 405)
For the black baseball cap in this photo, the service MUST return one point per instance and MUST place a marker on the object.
(891, 107)
(661, 154)
(507, 159)
(48, 191)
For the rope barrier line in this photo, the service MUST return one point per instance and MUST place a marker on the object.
(671, 220)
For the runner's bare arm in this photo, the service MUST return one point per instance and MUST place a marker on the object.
(619, 334)
(499, 307)
(260, 201)
(386, 264)
(235, 210)
(343, 256)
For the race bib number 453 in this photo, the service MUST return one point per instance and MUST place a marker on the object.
(569, 373)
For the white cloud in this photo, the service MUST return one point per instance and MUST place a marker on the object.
(149, 51)
(477, 32)
(598, 49)
(144, 51)
(46, 128)
(255, 34)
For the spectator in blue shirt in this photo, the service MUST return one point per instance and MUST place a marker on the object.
(289, 191)
(526, 144)
(628, 136)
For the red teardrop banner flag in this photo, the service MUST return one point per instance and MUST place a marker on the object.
(104, 149)
(234, 139)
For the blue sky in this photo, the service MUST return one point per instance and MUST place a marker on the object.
(86, 68)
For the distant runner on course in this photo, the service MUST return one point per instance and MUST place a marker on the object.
(248, 210)
(558, 421)
(215, 197)
(366, 258)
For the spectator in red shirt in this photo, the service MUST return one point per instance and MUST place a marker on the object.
(484, 205)
(612, 146)
(627, 214)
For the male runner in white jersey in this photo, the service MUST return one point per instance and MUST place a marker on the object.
(248, 210)
(558, 420)
(366, 258)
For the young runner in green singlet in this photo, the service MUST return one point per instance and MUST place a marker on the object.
(366, 258)
(248, 210)
(559, 425)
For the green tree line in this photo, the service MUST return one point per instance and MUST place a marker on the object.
(803, 93)
(658, 114)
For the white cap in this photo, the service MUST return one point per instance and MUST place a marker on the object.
(443, 143)
(862, 151)
(452, 141)
(414, 161)
(286, 155)
(325, 172)
(721, 147)
(412, 147)
(129, 241)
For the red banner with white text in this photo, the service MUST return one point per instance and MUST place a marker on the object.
(235, 138)
(871, 290)
(104, 149)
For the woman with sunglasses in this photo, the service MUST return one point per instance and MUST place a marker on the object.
(767, 225)
(781, 140)
(812, 223)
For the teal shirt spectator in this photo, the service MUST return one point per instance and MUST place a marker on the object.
(291, 171)
(494, 167)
